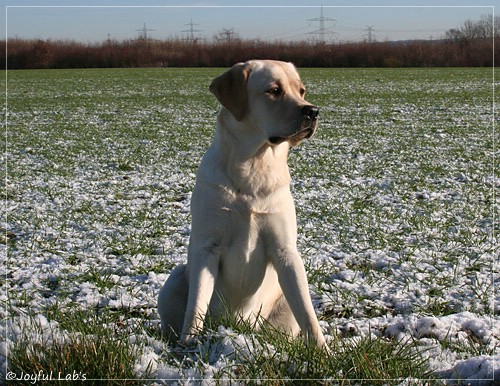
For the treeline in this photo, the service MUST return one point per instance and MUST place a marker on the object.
(471, 45)
(28, 54)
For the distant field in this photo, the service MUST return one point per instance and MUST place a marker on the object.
(395, 205)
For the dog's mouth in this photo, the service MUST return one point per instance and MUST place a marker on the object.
(307, 126)
(296, 138)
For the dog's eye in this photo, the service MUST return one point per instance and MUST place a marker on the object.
(275, 91)
(302, 92)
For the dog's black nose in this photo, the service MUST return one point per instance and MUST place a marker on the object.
(310, 111)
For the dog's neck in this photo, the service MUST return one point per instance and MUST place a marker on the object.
(263, 173)
(251, 165)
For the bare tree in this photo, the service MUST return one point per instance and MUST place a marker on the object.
(487, 27)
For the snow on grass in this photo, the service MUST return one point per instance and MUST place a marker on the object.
(394, 195)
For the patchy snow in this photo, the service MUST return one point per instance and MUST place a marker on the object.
(481, 370)
(396, 221)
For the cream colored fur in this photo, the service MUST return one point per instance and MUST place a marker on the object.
(242, 255)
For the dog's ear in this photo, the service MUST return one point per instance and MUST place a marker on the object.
(231, 89)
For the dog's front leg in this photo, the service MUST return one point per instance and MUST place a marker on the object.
(293, 281)
(203, 269)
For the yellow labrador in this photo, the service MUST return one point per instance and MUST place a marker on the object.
(242, 255)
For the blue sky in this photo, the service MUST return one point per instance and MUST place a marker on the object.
(391, 19)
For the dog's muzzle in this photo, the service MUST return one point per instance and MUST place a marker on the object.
(308, 123)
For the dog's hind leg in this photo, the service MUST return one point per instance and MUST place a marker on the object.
(282, 318)
(172, 302)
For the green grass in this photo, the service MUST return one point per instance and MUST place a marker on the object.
(90, 349)
(394, 201)
(368, 360)
(271, 357)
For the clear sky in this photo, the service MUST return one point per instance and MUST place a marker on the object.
(94, 21)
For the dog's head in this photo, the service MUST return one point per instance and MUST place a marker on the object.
(270, 95)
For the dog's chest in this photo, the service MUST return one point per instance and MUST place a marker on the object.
(243, 260)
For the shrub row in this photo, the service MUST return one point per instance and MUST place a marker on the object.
(27, 54)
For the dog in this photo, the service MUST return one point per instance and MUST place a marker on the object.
(242, 254)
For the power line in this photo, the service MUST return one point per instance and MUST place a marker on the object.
(287, 32)
(144, 34)
(322, 31)
(412, 30)
(191, 31)
(370, 35)
(228, 35)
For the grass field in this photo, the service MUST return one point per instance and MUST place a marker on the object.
(395, 205)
